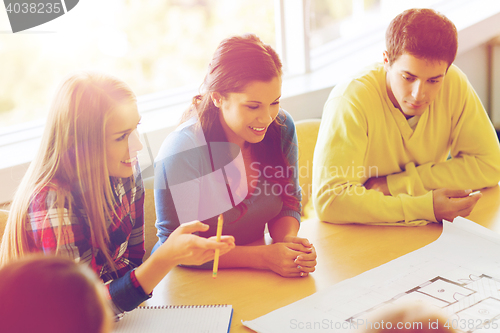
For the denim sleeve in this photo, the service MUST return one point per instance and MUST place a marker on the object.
(125, 295)
(289, 147)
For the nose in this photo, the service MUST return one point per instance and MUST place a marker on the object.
(134, 142)
(267, 115)
(418, 92)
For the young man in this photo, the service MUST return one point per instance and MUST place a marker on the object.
(385, 136)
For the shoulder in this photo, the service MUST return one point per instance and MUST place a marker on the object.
(371, 79)
(365, 88)
(455, 79)
(46, 197)
(186, 136)
(456, 90)
(288, 125)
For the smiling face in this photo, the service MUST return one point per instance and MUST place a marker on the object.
(122, 140)
(413, 83)
(245, 116)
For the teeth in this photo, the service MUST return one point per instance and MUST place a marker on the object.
(130, 160)
(257, 128)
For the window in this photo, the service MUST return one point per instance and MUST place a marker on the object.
(154, 46)
(333, 28)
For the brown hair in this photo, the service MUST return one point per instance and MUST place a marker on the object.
(423, 33)
(238, 61)
(51, 294)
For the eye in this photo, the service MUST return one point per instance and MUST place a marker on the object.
(275, 103)
(408, 78)
(253, 107)
(123, 137)
(434, 81)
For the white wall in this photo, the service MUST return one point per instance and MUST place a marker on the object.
(472, 62)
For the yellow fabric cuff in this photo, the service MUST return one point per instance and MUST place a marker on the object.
(418, 210)
(406, 182)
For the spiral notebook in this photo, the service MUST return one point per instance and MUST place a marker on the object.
(182, 319)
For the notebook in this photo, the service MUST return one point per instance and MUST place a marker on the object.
(182, 319)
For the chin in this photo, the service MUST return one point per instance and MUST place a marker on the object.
(256, 140)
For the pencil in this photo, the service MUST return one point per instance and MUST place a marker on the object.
(217, 251)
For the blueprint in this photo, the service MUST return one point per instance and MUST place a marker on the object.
(458, 273)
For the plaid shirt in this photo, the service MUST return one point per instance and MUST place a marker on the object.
(126, 233)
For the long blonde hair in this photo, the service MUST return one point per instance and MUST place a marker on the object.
(73, 154)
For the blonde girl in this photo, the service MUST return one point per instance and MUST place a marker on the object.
(82, 196)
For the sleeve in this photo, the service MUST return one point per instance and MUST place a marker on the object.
(475, 152)
(126, 293)
(176, 165)
(289, 147)
(338, 192)
(135, 249)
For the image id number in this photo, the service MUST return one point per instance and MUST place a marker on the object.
(471, 324)
(34, 8)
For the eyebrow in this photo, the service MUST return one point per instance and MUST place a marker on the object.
(431, 78)
(127, 130)
(261, 102)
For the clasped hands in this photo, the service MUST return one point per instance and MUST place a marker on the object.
(448, 203)
(292, 257)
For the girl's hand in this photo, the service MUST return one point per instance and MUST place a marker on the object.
(306, 261)
(294, 258)
(184, 248)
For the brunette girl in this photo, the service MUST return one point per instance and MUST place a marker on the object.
(239, 105)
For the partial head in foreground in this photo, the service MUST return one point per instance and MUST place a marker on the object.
(52, 294)
(408, 317)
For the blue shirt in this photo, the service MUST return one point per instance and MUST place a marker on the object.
(263, 205)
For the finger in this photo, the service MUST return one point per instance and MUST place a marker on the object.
(457, 193)
(294, 274)
(190, 227)
(302, 272)
(306, 263)
(223, 238)
(304, 241)
(465, 203)
(211, 244)
(306, 269)
(466, 212)
(299, 247)
(229, 240)
(306, 257)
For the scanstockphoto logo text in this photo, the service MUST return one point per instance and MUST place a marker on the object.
(26, 14)
(329, 325)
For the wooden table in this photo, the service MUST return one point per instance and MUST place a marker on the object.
(344, 251)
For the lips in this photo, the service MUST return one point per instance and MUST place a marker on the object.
(130, 161)
(415, 106)
(258, 129)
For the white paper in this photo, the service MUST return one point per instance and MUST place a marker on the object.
(459, 272)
